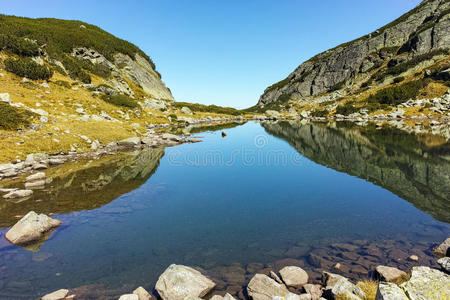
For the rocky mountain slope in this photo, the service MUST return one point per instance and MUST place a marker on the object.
(413, 48)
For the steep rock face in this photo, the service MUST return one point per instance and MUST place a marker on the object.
(424, 29)
(398, 163)
(137, 70)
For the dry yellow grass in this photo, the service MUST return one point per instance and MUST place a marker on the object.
(64, 127)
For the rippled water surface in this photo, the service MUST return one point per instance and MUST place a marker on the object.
(260, 198)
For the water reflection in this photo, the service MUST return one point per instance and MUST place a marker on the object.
(85, 185)
(415, 167)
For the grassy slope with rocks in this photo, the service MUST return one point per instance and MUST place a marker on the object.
(405, 65)
(52, 98)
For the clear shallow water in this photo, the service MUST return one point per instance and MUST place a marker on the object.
(236, 205)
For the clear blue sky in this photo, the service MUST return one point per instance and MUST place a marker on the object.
(224, 52)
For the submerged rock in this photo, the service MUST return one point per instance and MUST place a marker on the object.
(262, 287)
(427, 283)
(178, 282)
(30, 228)
(294, 276)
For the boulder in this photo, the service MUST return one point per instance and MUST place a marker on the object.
(444, 263)
(330, 279)
(171, 137)
(4, 97)
(178, 282)
(427, 283)
(30, 228)
(273, 114)
(226, 297)
(262, 287)
(294, 276)
(443, 249)
(390, 291)
(129, 297)
(57, 295)
(34, 184)
(315, 290)
(35, 177)
(391, 274)
(130, 142)
(18, 194)
(345, 288)
(142, 294)
(275, 277)
(186, 110)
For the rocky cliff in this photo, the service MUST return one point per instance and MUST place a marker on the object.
(423, 32)
(395, 161)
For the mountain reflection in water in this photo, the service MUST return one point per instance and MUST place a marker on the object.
(415, 167)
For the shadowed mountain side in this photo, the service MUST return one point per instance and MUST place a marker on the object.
(394, 160)
(87, 186)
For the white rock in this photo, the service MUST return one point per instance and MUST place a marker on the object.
(4, 97)
(186, 110)
(262, 287)
(57, 295)
(56, 161)
(142, 293)
(132, 141)
(390, 274)
(34, 184)
(171, 137)
(129, 297)
(18, 194)
(36, 176)
(390, 291)
(30, 228)
(294, 276)
(426, 283)
(179, 281)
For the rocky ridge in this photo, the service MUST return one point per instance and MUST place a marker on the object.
(343, 70)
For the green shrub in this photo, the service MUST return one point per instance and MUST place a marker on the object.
(12, 118)
(196, 107)
(18, 45)
(319, 113)
(26, 67)
(346, 109)
(61, 36)
(74, 69)
(119, 100)
(395, 95)
(173, 116)
(277, 85)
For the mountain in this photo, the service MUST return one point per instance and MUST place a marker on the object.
(413, 48)
(68, 86)
(76, 49)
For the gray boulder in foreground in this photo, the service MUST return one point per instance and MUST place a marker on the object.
(129, 297)
(294, 276)
(427, 283)
(30, 228)
(391, 274)
(262, 287)
(444, 263)
(390, 291)
(178, 282)
(142, 293)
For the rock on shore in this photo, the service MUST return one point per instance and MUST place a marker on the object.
(30, 228)
(178, 282)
